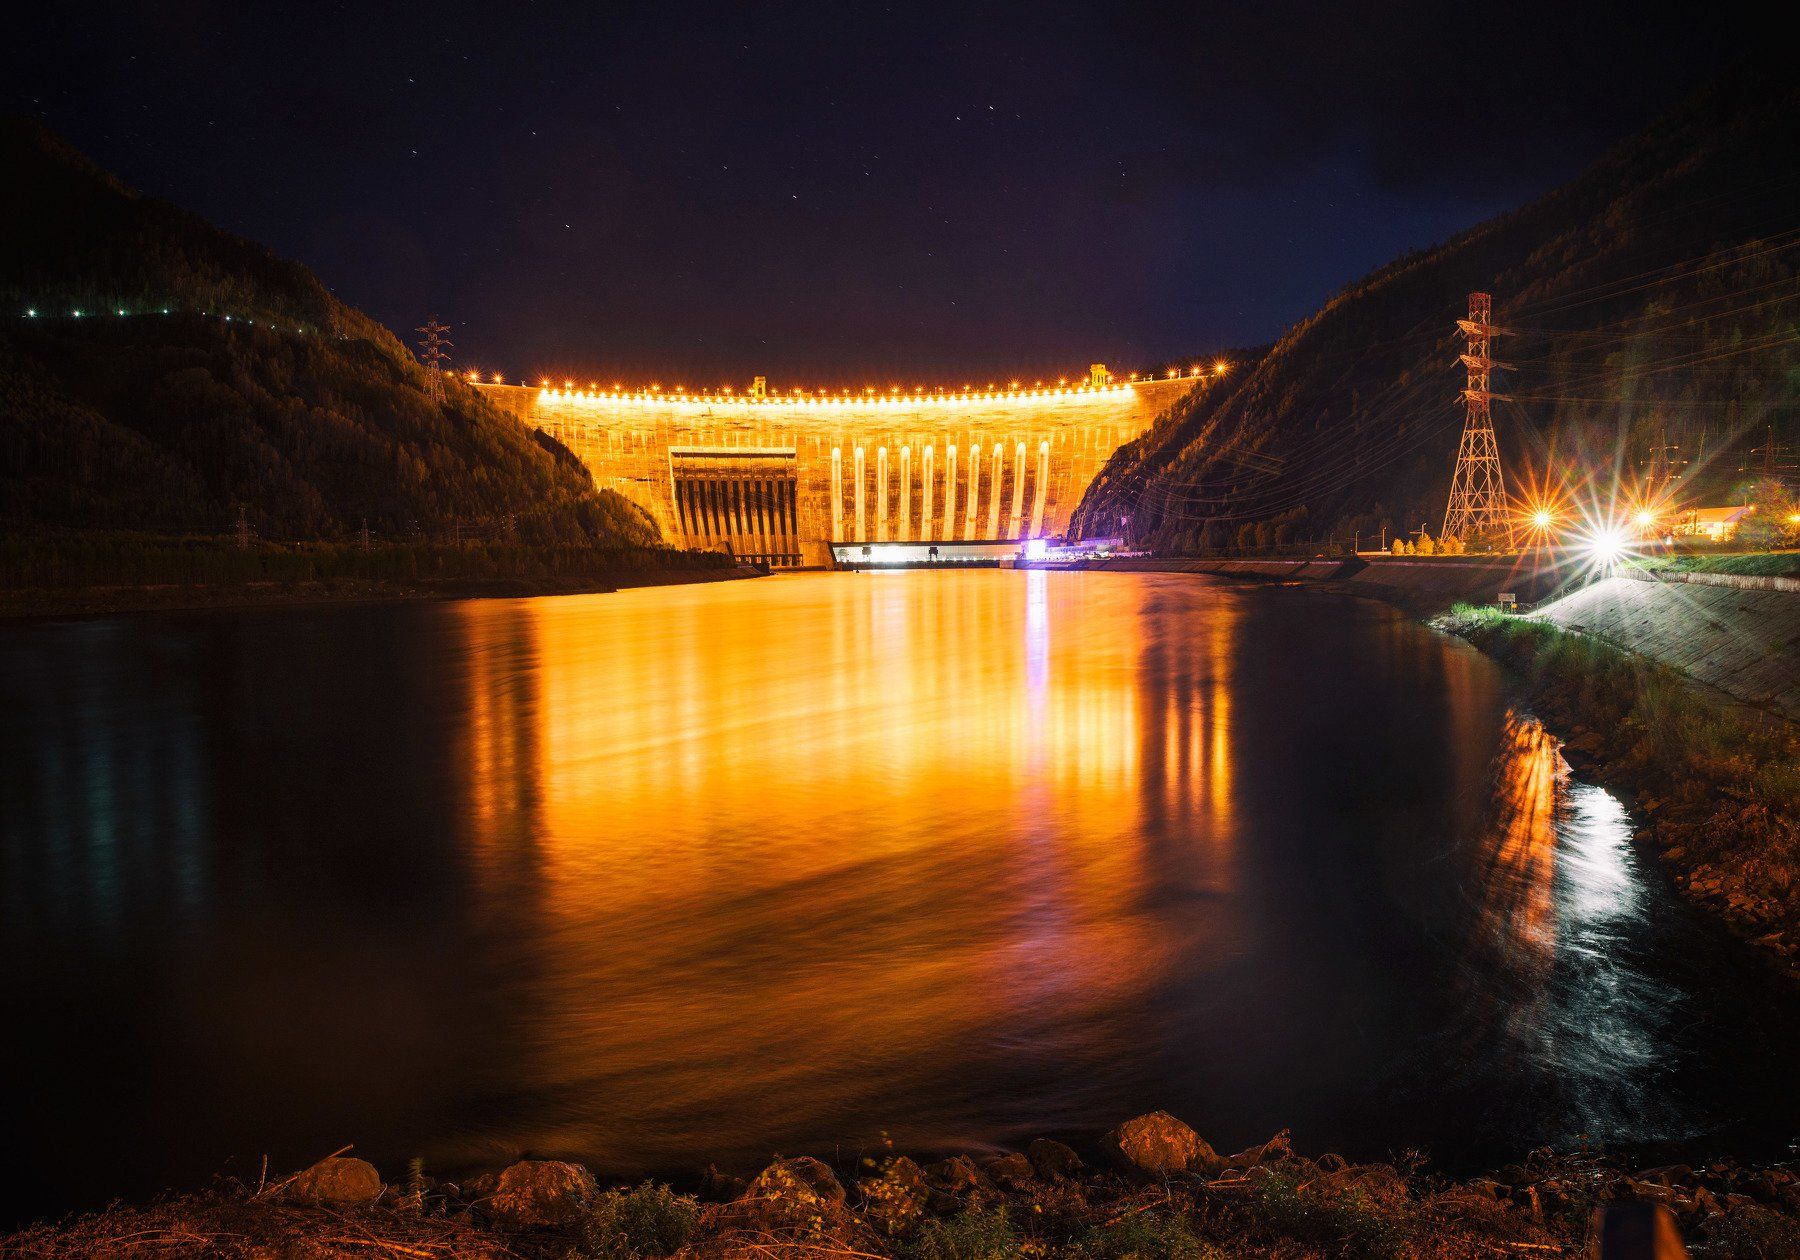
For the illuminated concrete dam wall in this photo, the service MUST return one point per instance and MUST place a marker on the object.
(777, 479)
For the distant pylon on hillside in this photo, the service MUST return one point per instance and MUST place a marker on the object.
(434, 353)
(1478, 490)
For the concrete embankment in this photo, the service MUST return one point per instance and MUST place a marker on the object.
(1741, 636)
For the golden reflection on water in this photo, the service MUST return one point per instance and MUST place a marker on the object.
(1519, 903)
(848, 821)
(671, 876)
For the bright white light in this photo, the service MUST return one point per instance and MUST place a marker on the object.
(1609, 545)
(1036, 549)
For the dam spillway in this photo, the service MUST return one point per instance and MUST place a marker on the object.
(777, 478)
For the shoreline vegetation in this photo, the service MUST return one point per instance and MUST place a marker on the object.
(101, 574)
(1715, 782)
(1152, 1189)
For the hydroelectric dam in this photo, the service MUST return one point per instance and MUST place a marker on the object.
(776, 477)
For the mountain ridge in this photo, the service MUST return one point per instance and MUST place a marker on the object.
(207, 378)
(1349, 421)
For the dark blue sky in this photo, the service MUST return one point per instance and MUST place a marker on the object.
(692, 193)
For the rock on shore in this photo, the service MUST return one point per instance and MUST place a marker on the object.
(1163, 1192)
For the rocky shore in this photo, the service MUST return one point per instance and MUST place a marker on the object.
(1152, 1189)
(1715, 783)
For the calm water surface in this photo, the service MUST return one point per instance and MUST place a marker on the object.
(671, 876)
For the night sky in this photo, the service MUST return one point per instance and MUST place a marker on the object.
(842, 193)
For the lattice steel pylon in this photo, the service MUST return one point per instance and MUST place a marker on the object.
(434, 353)
(1478, 490)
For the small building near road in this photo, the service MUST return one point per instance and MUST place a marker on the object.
(1715, 524)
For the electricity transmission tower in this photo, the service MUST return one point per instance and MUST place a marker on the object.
(434, 353)
(1478, 490)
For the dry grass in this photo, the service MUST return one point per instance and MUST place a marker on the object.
(237, 1226)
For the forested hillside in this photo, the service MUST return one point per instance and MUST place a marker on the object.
(204, 377)
(1654, 302)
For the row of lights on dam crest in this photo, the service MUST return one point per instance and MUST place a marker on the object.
(1099, 382)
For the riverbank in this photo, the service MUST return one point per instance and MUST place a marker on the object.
(102, 575)
(1733, 634)
(106, 601)
(1152, 1189)
(1715, 782)
(1675, 685)
(1422, 586)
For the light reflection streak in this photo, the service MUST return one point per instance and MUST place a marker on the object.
(1561, 996)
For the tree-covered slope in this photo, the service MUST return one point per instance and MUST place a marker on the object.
(1655, 302)
(154, 411)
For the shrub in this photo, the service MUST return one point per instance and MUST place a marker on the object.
(1143, 1236)
(977, 1234)
(1342, 1221)
(1754, 1233)
(651, 1220)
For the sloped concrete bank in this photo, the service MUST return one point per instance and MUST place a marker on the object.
(1741, 636)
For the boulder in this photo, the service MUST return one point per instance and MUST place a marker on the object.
(1277, 1147)
(480, 1185)
(721, 1187)
(956, 1175)
(337, 1181)
(1159, 1145)
(1052, 1159)
(541, 1194)
(1011, 1172)
(790, 1194)
(897, 1197)
(801, 1179)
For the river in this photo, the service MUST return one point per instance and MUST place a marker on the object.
(813, 863)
